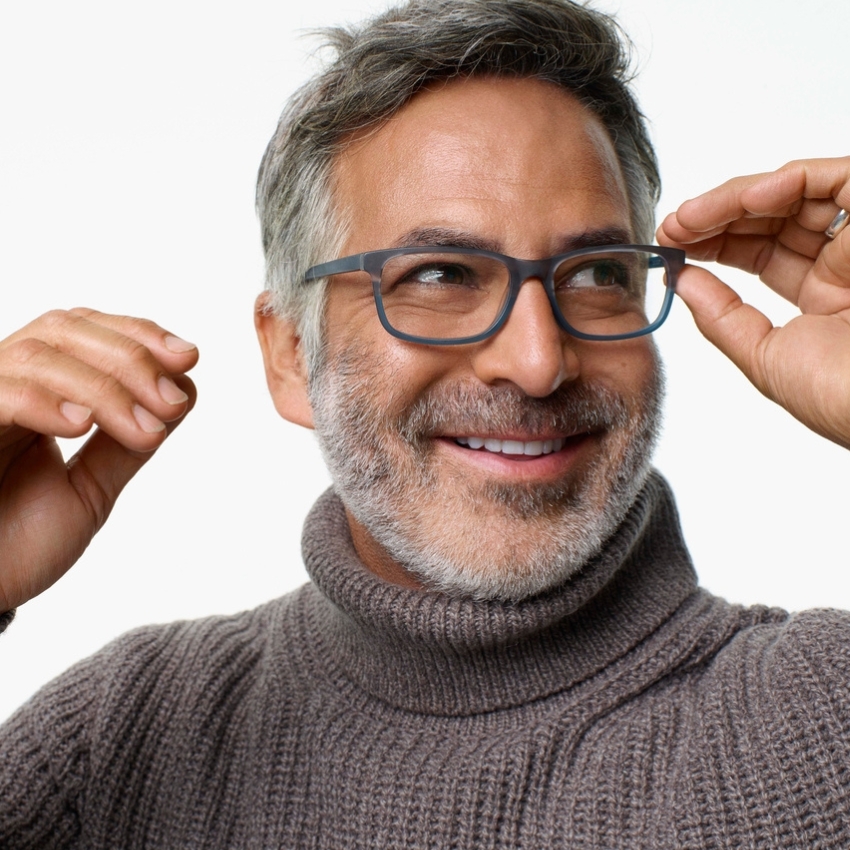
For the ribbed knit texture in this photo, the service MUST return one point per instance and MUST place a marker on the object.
(624, 710)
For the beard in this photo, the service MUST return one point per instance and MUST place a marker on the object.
(490, 539)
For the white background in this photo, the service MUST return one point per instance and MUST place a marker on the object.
(131, 134)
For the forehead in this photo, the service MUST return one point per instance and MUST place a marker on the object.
(519, 162)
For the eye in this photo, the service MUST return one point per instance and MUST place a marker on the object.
(434, 275)
(599, 274)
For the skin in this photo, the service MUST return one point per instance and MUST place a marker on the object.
(521, 167)
(772, 225)
(59, 376)
(69, 373)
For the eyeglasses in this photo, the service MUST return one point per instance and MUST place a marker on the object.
(456, 296)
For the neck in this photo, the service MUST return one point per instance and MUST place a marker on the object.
(377, 560)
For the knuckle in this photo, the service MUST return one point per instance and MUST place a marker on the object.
(82, 312)
(24, 351)
(23, 403)
(137, 357)
(95, 499)
(55, 320)
(143, 326)
(142, 330)
(105, 385)
(25, 396)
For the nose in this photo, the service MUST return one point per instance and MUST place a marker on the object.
(530, 350)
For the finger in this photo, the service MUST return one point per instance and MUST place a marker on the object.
(811, 217)
(807, 178)
(114, 344)
(101, 469)
(175, 353)
(671, 232)
(129, 417)
(804, 268)
(750, 253)
(707, 246)
(737, 329)
(833, 263)
(110, 343)
(106, 351)
(778, 193)
(32, 407)
(714, 209)
(803, 232)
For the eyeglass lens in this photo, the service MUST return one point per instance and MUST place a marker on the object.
(451, 296)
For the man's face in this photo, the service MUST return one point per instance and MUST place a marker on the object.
(519, 167)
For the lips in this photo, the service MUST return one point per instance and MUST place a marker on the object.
(529, 448)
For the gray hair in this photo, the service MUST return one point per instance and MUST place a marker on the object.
(376, 69)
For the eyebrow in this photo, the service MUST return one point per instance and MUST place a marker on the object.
(444, 237)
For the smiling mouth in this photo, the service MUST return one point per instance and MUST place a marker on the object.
(531, 448)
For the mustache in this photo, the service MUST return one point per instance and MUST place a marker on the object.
(464, 409)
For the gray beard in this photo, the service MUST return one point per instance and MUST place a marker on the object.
(383, 469)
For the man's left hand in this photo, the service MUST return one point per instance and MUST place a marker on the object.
(773, 225)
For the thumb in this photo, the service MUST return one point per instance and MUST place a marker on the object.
(737, 329)
(102, 467)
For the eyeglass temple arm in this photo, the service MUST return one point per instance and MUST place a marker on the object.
(344, 264)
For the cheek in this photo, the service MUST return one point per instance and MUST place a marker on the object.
(628, 367)
(386, 367)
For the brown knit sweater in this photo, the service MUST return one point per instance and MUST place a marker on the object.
(626, 709)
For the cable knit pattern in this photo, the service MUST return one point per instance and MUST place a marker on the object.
(626, 709)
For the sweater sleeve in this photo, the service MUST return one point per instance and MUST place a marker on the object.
(44, 761)
(59, 744)
(769, 754)
(134, 744)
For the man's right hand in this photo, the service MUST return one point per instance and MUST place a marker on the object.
(59, 376)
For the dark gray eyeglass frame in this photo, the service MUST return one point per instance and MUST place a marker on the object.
(373, 262)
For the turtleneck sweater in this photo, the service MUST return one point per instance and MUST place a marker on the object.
(624, 709)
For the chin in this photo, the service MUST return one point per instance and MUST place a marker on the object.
(504, 550)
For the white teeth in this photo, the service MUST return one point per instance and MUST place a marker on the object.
(533, 448)
(513, 447)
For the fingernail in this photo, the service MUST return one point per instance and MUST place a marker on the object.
(170, 392)
(147, 421)
(75, 413)
(177, 345)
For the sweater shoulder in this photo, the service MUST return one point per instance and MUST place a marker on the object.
(789, 650)
(98, 734)
(762, 733)
(809, 656)
(787, 679)
(193, 669)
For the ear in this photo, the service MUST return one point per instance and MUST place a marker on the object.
(286, 372)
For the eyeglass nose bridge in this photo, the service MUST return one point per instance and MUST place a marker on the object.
(522, 271)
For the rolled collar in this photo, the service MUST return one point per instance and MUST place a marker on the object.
(432, 653)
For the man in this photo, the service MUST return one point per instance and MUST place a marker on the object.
(504, 645)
